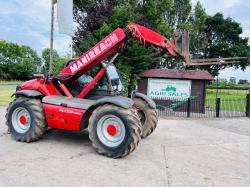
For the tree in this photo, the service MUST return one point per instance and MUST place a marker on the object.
(58, 62)
(17, 61)
(46, 56)
(197, 38)
(222, 81)
(222, 39)
(232, 80)
(243, 81)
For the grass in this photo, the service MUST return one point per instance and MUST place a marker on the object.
(7, 88)
(231, 100)
(226, 96)
(5, 94)
(13, 82)
(211, 93)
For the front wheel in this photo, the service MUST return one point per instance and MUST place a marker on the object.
(148, 116)
(114, 131)
(25, 119)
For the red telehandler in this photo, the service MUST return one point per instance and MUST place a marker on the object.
(115, 123)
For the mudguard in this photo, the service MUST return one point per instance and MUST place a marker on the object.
(123, 102)
(120, 101)
(150, 102)
(28, 93)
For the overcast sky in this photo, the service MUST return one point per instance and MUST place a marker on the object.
(28, 22)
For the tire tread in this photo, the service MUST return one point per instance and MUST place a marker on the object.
(151, 117)
(38, 121)
(133, 120)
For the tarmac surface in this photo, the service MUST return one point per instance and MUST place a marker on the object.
(192, 152)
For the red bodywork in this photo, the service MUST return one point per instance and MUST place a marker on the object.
(39, 85)
(69, 118)
(60, 117)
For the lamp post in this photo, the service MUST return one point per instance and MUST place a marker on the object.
(51, 37)
(65, 14)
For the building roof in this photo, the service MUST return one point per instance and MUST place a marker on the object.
(177, 74)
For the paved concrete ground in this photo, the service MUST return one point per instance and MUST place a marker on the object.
(179, 153)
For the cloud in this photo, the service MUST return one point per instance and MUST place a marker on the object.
(231, 3)
(246, 34)
(7, 7)
(28, 23)
(239, 74)
(222, 5)
(238, 10)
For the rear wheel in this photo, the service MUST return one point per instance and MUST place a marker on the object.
(25, 119)
(114, 131)
(148, 116)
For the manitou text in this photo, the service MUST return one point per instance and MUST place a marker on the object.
(94, 52)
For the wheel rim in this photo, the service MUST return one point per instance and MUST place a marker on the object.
(21, 120)
(111, 130)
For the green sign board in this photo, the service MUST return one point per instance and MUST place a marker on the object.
(169, 88)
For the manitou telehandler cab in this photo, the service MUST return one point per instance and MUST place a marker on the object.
(75, 99)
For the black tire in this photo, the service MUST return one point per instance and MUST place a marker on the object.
(132, 126)
(37, 125)
(148, 116)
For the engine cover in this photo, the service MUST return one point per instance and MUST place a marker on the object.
(61, 117)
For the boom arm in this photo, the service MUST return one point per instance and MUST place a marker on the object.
(149, 37)
(111, 44)
(106, 47)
